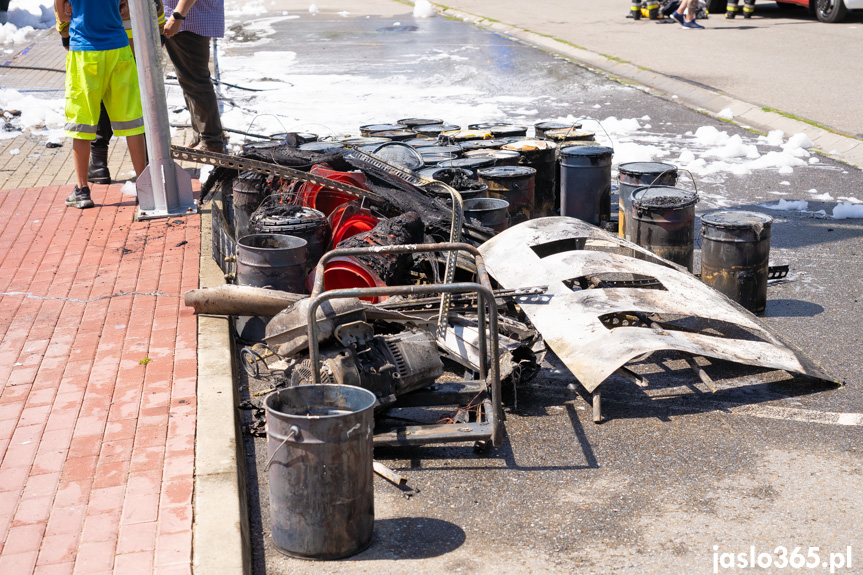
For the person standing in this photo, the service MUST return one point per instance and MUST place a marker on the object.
(748, 8)
(188, 30)
(100, 69)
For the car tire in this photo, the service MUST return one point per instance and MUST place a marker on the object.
(716, 6)
(830, 11)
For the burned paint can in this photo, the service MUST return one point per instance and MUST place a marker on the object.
(246, 196)
(472, 164)
(634, 175)
(516, 185)
(321, 147)
(490, 212)
(460, 136)
(663, 221)
(435, 130)
(585, 183)
(735, 256)
(272, 260)
(500, 157)
(319, 465)
(412, 123)
(371, 130)
(561, 137)
(540, 128)
(462, 180)
(540, 155)
(472, 145)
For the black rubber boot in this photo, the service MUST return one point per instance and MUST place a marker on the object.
(80, 198)
(97, 172)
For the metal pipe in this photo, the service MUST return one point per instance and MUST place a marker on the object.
(161, 190)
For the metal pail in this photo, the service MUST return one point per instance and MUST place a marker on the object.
(319, 449)
(491, 212)
(541, 155)
(585, 183)
(634, 175)
(663, 221)
(272, 260)
(515, 184)
(735, 256)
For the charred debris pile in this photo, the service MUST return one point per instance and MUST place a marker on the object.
(419, 250)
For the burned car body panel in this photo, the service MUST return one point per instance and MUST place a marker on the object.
(596, 322)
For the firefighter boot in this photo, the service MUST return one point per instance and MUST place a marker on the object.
(97, 172)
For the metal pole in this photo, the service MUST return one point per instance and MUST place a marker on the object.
(164, 189)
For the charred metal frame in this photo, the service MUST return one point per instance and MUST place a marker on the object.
(453, 393)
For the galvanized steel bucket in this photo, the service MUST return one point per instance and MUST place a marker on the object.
(272, 260)
(319, 449)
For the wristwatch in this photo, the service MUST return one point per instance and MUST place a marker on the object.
(177, 16)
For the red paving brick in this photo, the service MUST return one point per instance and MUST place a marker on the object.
(96, 447)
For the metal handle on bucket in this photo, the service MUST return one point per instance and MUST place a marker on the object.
(657, 178)
(294, 431)
(598, 123)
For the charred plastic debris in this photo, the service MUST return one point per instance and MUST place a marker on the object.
(419, 250)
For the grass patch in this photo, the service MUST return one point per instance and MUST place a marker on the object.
(804, 120)
(614, 59)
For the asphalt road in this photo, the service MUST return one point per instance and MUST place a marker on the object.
(677, 476)
(782, 59)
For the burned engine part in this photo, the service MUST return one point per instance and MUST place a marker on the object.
(286, 332)
(518, 363)
(404, 229)
(239, 300)
(485, 393)
(583, 326)
(386, 365)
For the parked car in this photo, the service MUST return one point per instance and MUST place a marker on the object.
(824, 10)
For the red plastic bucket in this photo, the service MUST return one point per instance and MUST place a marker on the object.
(347, 273)
(326, 200)
(347, 222)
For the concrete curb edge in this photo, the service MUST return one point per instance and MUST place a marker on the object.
(221, 542)
(746, 115)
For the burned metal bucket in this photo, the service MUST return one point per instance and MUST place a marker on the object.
(246, 197)
(515, 184)
(634, 175)
(491, 212)
(272, 260)
(663, 221)
(319, 449)
(301, 222)
(540, 155)
(585, 183)
(735, 254)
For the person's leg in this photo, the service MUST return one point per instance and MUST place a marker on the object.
(97, 172)
(4, 11)
(748, 8)
(83, 94)
(138, 151)
(731, 9)
(190, 54)
(635, 9)
(123, 102)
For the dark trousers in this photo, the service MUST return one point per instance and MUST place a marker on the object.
(190, 54)
(104, 133)
(4, 5)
